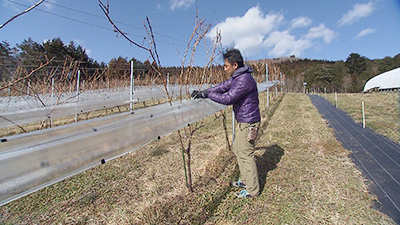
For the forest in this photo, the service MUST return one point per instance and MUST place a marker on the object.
(340, 76)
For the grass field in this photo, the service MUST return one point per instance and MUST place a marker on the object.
(306, 178)
(381, 111)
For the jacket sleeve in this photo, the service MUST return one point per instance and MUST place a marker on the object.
(238, 89)
(222, 87)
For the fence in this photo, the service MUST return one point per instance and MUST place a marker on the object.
(22, 110)
(379, 111)
(31, 161)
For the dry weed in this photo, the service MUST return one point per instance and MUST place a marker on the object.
(381, 111)
(308, 177)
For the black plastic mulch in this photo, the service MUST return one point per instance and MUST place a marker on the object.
(377, 156)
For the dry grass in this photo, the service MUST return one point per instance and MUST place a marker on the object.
(381, 111)
(139, 187)
(306, 175)
(120, 191)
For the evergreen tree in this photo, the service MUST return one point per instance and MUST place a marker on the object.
(7, 60)
(31, 54)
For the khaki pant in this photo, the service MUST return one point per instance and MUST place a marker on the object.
(244, 151)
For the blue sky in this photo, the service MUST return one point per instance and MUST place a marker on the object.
(314, 29)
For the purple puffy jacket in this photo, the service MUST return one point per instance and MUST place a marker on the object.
(241, 92)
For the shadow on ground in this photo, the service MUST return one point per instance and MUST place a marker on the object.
(267, 162)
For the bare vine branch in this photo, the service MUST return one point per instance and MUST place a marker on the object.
(28, 75)
(106, 11)
(19, 14)
(152, 49)
(152, 41)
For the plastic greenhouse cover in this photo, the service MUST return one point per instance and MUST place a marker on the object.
(386, 80)
(32, 161)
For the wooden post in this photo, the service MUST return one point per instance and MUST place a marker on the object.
(336, 103)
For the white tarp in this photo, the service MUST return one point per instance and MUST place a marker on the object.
(387, 80)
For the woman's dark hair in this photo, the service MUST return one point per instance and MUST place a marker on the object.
(233, 55)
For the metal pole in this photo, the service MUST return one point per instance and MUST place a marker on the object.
(233, 126)
(167, 81)
(281, 82)
(77, 85)
(52, 87)
(29, 84)
(77, 92)
(266, 81)
(131, 90)
(70, 82)
(363, 112)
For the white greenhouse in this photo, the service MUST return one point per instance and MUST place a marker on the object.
(385, 81)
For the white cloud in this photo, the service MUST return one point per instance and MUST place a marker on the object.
(255, 32)
(82, 43)
(18, 8)
(284, 44)
(321, 32)
(250, 44)
(365, 32)
(359, 11)
(88, 52)
(247, 32)
(300, 22)
(177, 4)
(49, 6)
(12, 6)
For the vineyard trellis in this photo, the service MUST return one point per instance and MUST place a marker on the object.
(62, 78)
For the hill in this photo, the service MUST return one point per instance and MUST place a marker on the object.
(340, 76)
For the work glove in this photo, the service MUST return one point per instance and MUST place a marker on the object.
(200, 94)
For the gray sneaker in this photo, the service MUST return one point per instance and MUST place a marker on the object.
(243, 194)
(239, 184)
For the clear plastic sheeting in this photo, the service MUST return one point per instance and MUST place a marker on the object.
(24, 102)
(31, 161)
(22, 110)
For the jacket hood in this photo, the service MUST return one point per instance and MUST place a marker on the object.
(242, 70)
